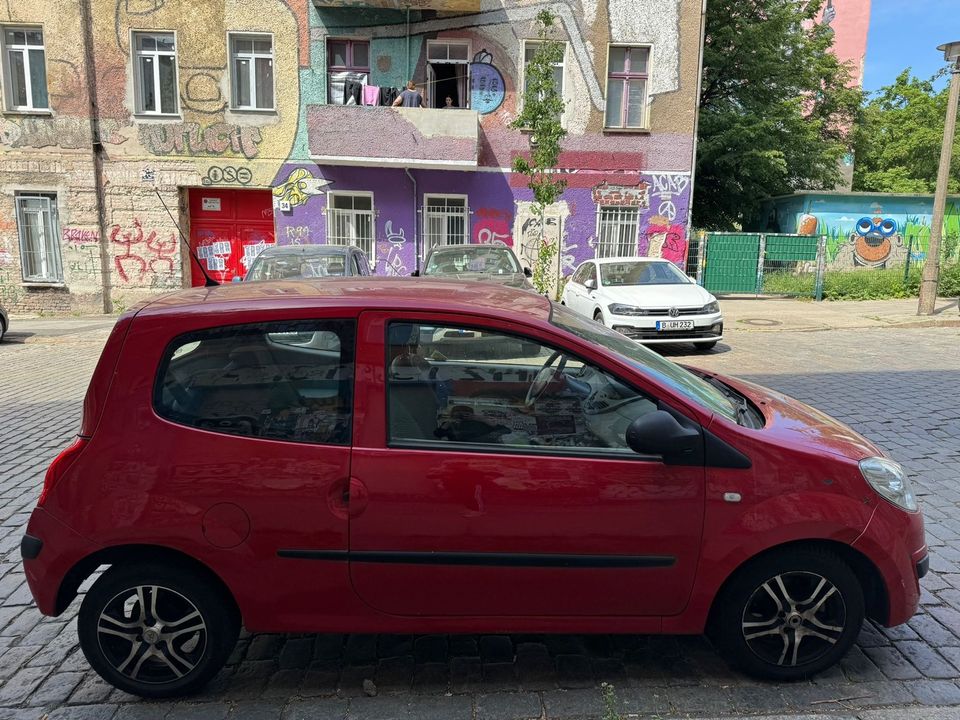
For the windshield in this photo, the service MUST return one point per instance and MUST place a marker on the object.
(297, 265)
(472, 259)
(641, 272)
(667, 372)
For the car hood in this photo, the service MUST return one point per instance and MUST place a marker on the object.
(516, 280)
(658, 296)
(791, 422)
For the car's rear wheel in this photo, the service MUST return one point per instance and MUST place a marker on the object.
(789, 615)
(706, 345)
(155, 630)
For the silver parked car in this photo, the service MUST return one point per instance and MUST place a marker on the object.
(488, 263)
(295, 262)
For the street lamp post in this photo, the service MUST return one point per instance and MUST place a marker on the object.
(931, 270)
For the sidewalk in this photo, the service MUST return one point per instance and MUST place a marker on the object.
(769, 314)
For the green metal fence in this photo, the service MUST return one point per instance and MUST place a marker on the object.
(761, 264)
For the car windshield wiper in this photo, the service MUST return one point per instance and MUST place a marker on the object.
(739, 403)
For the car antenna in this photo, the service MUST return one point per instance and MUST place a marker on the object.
(207, 280)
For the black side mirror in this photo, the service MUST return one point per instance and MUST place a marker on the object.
(659, 433)
(590, 284)
(415, 273)
(528, 272)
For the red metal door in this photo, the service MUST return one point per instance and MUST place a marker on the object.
(223, 225)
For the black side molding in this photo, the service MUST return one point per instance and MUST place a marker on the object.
(721, 455)
(483, 559)
(923, 566)
(30, 547)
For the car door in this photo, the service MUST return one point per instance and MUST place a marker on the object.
(478, 501)
(575, 290)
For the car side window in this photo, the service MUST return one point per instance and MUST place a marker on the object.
(590, 273)
(449, 385)
(288, 381)
(578, 275)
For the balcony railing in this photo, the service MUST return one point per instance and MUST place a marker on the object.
(393, 137)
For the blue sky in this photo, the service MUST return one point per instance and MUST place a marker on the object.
(906, 33)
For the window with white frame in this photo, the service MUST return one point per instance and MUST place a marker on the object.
(25, 69)
(530, 47)
(617, 231)
(627, 86)
(252, 71)
(39, 237)
(350, 221)
(155, 73)
(446, 220)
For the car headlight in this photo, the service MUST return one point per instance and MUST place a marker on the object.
(618, 309)
(713, 307)
(890, 481)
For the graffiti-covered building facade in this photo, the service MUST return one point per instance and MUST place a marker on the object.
(248, 123)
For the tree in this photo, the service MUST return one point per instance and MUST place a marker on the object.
(540, 116)
(899, 136)
(776, 108)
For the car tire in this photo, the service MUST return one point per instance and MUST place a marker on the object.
(706, 345)
(3, 330)
(124, 641)
(598, 317)
(775, 603)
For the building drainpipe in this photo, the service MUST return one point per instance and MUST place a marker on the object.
(696, 117)
(416, 233)
(96, 144)
(409, 74)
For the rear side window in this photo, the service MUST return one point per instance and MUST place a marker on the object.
(280, 381)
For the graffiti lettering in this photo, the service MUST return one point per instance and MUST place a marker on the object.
(666, 188)
(190, 138)
(492, 226)
(297, 234)
(64, 132)
(667, 240)
(131, 266)
(229, 174)
(80, 236)
(391, 251)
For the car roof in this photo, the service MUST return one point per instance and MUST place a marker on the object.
(301, 249)
(604, 261)
(371, 292)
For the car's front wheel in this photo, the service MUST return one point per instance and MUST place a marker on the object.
(155, 630)
(789, 615)
(598, 316)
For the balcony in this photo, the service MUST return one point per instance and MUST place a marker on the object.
(443, 5)
(393, 137)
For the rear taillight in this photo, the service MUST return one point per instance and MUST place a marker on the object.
(60, 465)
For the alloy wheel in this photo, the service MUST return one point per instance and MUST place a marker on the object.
(794, 619)
(151, 634)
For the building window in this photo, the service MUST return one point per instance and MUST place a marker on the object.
(348, 56)
(446, 220)
(448, 73)
(617, 231)
(252, 71)
(25, 69)
(155, 73)
(627, 86)
(350, 221)
(39, 237)
(529, 49)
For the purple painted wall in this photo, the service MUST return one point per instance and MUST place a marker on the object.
(499, 205)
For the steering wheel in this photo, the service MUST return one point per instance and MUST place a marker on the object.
(545, 375)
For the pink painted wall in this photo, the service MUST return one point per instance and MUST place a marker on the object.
(850, 20)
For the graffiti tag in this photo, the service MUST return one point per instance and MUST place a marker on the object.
(189, 138)
(131, 265)
(80, 236)
(298, 187)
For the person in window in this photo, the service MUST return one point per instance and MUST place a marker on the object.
(409, 97)
(448, 103)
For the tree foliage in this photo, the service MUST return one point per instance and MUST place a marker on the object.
(775, 108)
(542, 107)
(899, 137)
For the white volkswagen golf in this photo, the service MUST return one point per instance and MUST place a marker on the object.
(648, 299)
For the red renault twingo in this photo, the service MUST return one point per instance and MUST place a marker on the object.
(376, 456)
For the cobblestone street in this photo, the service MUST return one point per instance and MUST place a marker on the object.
(897, 386)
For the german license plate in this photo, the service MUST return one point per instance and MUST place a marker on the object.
(674, 325)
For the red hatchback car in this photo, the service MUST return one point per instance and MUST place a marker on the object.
(376, 456)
